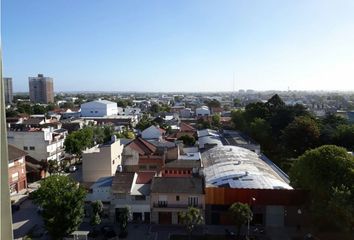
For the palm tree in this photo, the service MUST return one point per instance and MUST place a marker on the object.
(241, 214)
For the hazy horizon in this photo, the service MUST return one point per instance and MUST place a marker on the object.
(182, 46)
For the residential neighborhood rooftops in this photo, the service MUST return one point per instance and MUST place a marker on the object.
(177, 185)
(142, 146)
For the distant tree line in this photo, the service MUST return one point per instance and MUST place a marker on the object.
(286, 132)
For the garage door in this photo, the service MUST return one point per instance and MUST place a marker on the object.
(165, 218)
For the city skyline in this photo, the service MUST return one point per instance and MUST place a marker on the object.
(200, 46)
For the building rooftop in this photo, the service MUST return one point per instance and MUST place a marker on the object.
(103, 182)
(122, 182)
(237, 167)
(142, 146)
(177, 185)
(15, 153)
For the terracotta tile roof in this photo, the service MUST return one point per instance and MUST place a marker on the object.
(184, 127)
(145, 177)
(142, 147)
(15, 153)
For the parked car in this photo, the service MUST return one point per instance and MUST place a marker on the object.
(72, 169)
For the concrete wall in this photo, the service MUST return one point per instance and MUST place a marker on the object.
(101, 161)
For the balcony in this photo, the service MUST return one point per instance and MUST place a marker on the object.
(164, 204)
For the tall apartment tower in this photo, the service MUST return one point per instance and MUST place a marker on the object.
(41, 89)
(8, 90)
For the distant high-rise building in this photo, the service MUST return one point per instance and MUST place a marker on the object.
(8, 90)
(41, 89)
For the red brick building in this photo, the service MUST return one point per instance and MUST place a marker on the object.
(17, 169)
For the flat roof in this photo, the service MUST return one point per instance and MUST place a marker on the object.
(237, 167)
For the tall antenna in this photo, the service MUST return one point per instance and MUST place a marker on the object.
(233, 85)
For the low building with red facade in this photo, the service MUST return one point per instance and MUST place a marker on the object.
(17, 169)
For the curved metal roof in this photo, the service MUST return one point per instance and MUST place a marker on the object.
(237, 167)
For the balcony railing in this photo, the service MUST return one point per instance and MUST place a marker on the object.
(167, 205)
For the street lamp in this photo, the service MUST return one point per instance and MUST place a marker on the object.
(252, 199)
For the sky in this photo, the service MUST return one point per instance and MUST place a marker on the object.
(181, 45)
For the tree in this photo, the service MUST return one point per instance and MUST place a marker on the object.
(328, 173)
(261, 131)
(97, 209)
(53, 167)
(38, 109)
(256, 110)
(241, 214)
(239, 120)
(123, 221)
(191, 218)
(144, 123)
(24, 108)
(79, 140)
(300, 135)
(344, 136)
(275, 102)
(155, 108)
(215, 121)
(62, 201)
(213, 103)
(237, 102)
(187, 140)
(11, 113)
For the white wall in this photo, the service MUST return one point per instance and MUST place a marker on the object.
(101, 162)
(98, 109)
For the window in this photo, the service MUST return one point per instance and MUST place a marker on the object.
(25, 148)
(96, 111)
(193, 201)
(140, 198)
(91, 111)
(177, 198)
(142, 167)
(14, 177)
(32, 148)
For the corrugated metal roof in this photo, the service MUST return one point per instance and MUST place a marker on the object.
(237, 167)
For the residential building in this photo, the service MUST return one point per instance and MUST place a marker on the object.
(202, 112)
(171, 195)
(17, 169)
(153, 132)
(8, 90)
(141, 155)
(42, 141)
(186, 113)
(41, 89)
(99, 108)
(101, 160)
(132, 190)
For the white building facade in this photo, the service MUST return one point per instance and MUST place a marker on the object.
(99, 108)
(41, 144)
